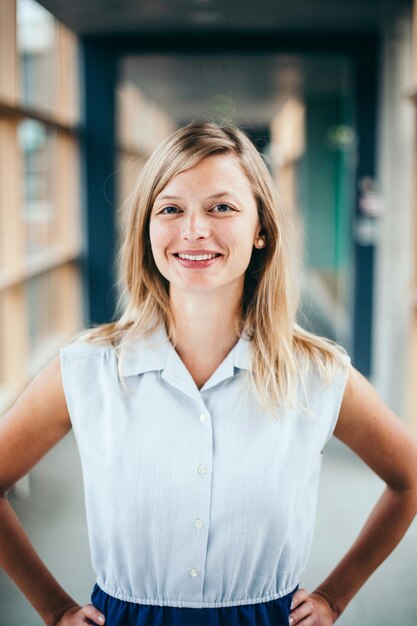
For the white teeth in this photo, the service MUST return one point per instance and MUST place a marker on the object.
(200, 257)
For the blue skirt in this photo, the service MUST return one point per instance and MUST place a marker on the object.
(122, 613)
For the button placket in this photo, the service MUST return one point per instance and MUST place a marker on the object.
(202, 502)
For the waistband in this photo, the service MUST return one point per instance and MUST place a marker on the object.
(123, 613)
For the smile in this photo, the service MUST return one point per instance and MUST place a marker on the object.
(198, 260)
(199, 257)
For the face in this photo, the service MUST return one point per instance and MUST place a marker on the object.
(204, 225)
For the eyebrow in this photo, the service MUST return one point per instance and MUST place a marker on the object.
(214, 195)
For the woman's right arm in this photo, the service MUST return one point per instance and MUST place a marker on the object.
(33, 425)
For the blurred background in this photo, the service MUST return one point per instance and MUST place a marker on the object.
(327, 91)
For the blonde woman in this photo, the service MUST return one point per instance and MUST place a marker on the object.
(201, 415)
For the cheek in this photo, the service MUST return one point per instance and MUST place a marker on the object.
(156, 237)
(244, 240)
(159, 236)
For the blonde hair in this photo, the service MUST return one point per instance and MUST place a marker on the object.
(280, 347)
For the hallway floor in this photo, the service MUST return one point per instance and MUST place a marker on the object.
(54, 519)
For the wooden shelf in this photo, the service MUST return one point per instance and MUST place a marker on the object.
(19, 112)
(41, 264)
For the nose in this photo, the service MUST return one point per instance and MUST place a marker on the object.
(195, 226)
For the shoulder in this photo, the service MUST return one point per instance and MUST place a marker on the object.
(84, 366)
(322, 379)
(362, 408)
(82, 350)
(323, 371)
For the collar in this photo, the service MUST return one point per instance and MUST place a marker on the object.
(156, 353)
(147, 354)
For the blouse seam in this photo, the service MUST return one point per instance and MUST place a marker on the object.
(75, 357)
(187, 603)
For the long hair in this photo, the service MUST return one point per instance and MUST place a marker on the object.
(280, 347)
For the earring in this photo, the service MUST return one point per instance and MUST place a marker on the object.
(260, 242)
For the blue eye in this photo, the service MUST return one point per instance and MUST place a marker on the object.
(167, 209)
(223, 206)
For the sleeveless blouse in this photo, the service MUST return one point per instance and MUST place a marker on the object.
(195, 498)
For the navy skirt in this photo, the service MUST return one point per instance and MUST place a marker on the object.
(122, 613)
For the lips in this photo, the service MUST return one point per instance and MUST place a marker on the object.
(194, 263)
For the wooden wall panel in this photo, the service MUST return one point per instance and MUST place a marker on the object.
(8, 60)
(58, 258)
(11, 235)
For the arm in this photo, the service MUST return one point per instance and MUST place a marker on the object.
(34, 424)
(381, 440)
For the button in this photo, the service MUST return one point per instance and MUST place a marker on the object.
(199, 523)
(202, 469)
(194, 571)
(203, 417)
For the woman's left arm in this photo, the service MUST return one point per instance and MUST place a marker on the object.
(379, 437)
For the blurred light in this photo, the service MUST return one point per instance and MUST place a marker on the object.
(204, 17)
(35, 30)
(31, 135)
(341, 136)
(221, 103)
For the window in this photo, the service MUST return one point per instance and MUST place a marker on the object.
(40, 242)
(37, 144)
(36, 46)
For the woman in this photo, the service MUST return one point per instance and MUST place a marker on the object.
(201, 415)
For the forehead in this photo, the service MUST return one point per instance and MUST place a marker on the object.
(217, 173)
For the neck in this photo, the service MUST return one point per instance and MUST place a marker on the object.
(204, 323)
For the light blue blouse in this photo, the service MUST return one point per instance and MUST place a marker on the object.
(194, 498)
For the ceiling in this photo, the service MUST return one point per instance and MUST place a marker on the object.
(250, 87)
(104, 17)
(241, 89)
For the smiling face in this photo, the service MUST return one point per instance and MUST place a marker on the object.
(203, 227)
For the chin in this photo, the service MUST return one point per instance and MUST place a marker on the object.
(194, 287)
